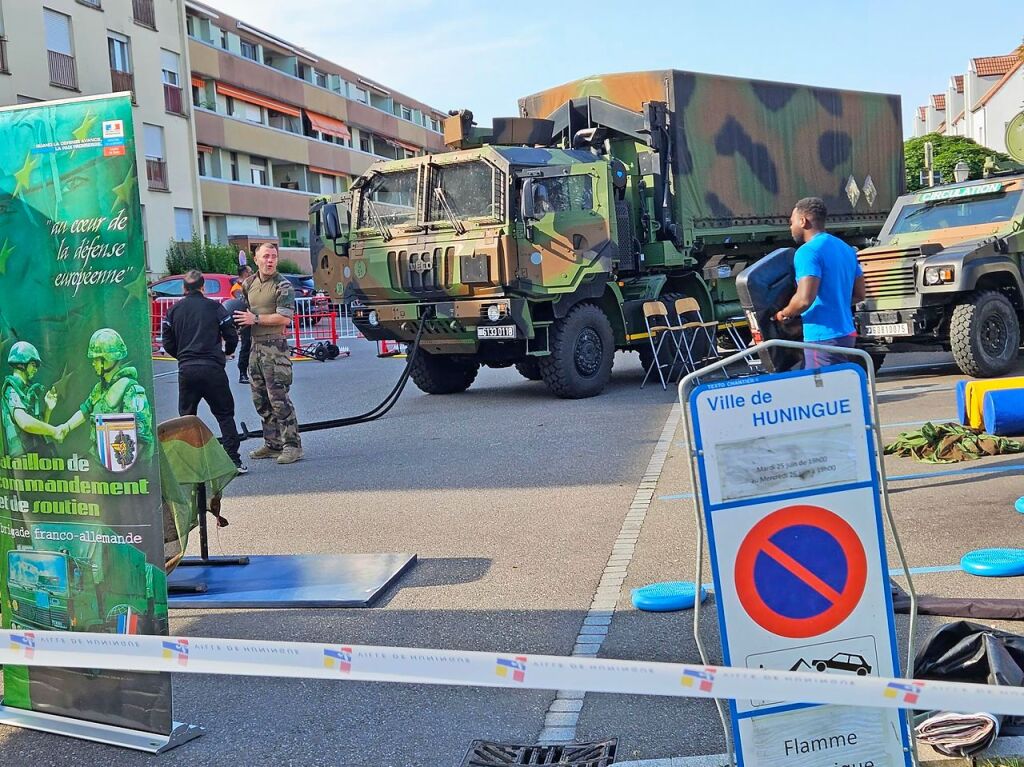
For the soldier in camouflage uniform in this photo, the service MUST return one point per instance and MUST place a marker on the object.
(118, 390)
(24, 409)
(271, 300)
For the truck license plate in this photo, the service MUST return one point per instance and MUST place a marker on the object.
(895, 329)
(496, 331)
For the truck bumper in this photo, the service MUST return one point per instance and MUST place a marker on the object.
(903, 329)
(452, 327)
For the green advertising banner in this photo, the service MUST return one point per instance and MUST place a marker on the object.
(81, 532)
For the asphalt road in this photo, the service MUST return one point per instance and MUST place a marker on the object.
(512, 500)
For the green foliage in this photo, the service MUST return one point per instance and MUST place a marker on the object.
(948, 151)
(207, 257)
(287, 266)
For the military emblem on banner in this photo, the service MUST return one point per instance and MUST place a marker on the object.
(117, 440)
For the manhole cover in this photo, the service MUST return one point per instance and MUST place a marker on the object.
(483, 753)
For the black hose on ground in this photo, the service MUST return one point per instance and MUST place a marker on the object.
(374, 413)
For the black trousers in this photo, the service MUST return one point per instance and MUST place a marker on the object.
(244, 349)
(210, 383)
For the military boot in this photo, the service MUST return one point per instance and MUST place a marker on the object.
(265, 451)
(290, 454)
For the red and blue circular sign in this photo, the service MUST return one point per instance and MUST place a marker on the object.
(800, 571)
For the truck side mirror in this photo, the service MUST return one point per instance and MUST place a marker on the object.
(333, 228)
(526, 202)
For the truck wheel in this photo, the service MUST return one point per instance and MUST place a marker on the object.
(582, 353)
(984, 334)
(441, 374)
(529, 368)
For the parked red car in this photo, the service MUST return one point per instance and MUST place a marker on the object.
(164, 293)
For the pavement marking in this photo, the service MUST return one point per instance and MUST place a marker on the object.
(562, 716)
(938, 422)
(898, 571)
(956, 472)
(921, 389)
(709, 760)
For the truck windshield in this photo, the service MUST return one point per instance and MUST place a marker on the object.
(947, 214)
(470, 189)
(38, 569)
(391, 196)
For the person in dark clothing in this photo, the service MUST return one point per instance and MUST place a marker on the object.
(200, 333)
(237, 303)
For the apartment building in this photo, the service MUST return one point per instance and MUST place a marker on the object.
(276, 124)
(980, 103)
(58, 49)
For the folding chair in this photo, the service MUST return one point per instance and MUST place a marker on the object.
(730, 326)
(657, 323)
(691, 330)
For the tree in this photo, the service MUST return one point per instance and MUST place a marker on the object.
(948, 151)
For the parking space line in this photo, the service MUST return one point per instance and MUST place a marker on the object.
(563, 714)
(955, 472)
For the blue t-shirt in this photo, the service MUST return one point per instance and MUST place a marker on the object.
(834, 263)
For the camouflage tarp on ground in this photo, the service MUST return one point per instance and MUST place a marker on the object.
(189, 455)
(950, 443)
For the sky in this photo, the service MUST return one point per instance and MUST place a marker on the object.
(485, 55)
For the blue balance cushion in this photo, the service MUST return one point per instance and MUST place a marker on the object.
(1019, 505)
(667, 596)
(994, 562)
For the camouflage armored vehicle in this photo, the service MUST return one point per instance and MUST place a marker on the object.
(946, 274)
(535, 243)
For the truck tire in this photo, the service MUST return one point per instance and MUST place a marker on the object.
(529, 368)
(441, 374)
(582, 352)
(984, 334)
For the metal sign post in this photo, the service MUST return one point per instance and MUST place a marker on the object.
(790, 484)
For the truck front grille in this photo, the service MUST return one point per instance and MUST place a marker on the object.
(41, 617)
(889, 280)
(425, 271)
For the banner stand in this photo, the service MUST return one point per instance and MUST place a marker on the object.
(696, 455)
(138, 740)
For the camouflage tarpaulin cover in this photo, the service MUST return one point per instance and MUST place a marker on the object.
(190, 455)
(748, 149)
(950, 443)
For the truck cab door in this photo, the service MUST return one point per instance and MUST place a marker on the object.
(566, 226)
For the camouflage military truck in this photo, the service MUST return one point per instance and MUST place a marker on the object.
(535, 243)
(946, 274)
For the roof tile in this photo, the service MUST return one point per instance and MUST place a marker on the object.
(992, 66)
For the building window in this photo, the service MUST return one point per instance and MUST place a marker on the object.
(156, 165)
(248, 50)
(182, 224)
(59, 49)
(91, 3)
(407, 114)
(435, 125)
(362, 96)
(22, 99)
(364, 143)
(234, 166)
(320, 78)
(144, 13)
(120, 54)
(170, 67)
(258, 168)
(201, 164)
(252, 113)
(264, 226)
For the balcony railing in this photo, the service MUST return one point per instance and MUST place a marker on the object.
(144, 12)
(122, 81)
(156, 173)
(3, 55)
(62, 70)
(173, 99)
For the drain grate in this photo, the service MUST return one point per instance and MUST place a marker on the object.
(483, 753)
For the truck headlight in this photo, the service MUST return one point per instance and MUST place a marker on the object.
(14, 605)
(494, 312)
(372, 318)
(938, 275)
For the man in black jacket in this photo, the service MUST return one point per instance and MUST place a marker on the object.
(199, 333)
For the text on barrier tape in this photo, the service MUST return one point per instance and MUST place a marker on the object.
(361, 663)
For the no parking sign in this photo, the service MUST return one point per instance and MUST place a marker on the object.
(789, 489)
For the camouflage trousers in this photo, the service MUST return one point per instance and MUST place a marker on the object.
(270, 373)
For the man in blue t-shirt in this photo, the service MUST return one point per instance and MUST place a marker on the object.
(829, 281)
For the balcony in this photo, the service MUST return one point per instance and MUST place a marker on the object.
(62, 70)
(173, 99)
(122, 81)
(156, 174)
(144, 13)
(3, 55)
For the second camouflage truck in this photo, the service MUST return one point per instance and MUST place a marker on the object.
(537, 242)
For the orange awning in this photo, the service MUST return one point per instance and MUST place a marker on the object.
(325, 171)
(198, 82)
(254, 98)
(328, 125)
(403, 144)
(204, 148)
